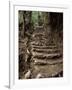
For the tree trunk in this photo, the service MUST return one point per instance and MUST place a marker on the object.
(46, 16)
(40, 22)
(27, 21)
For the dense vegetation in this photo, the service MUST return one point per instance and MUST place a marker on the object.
(40, 29)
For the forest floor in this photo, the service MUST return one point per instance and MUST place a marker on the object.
(40, 55)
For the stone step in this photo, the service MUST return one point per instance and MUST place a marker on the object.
(39, 27)
(45, 50)
(38, 34)
(46, 54)
(46, 59)
(35, 43)
(43, 47)
(39, 42)
(42, 62)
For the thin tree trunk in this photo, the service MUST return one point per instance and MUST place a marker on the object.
(46, 16)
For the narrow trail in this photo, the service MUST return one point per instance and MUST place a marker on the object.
(46, 57)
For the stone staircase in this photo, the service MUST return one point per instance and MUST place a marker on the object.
(47, 58)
